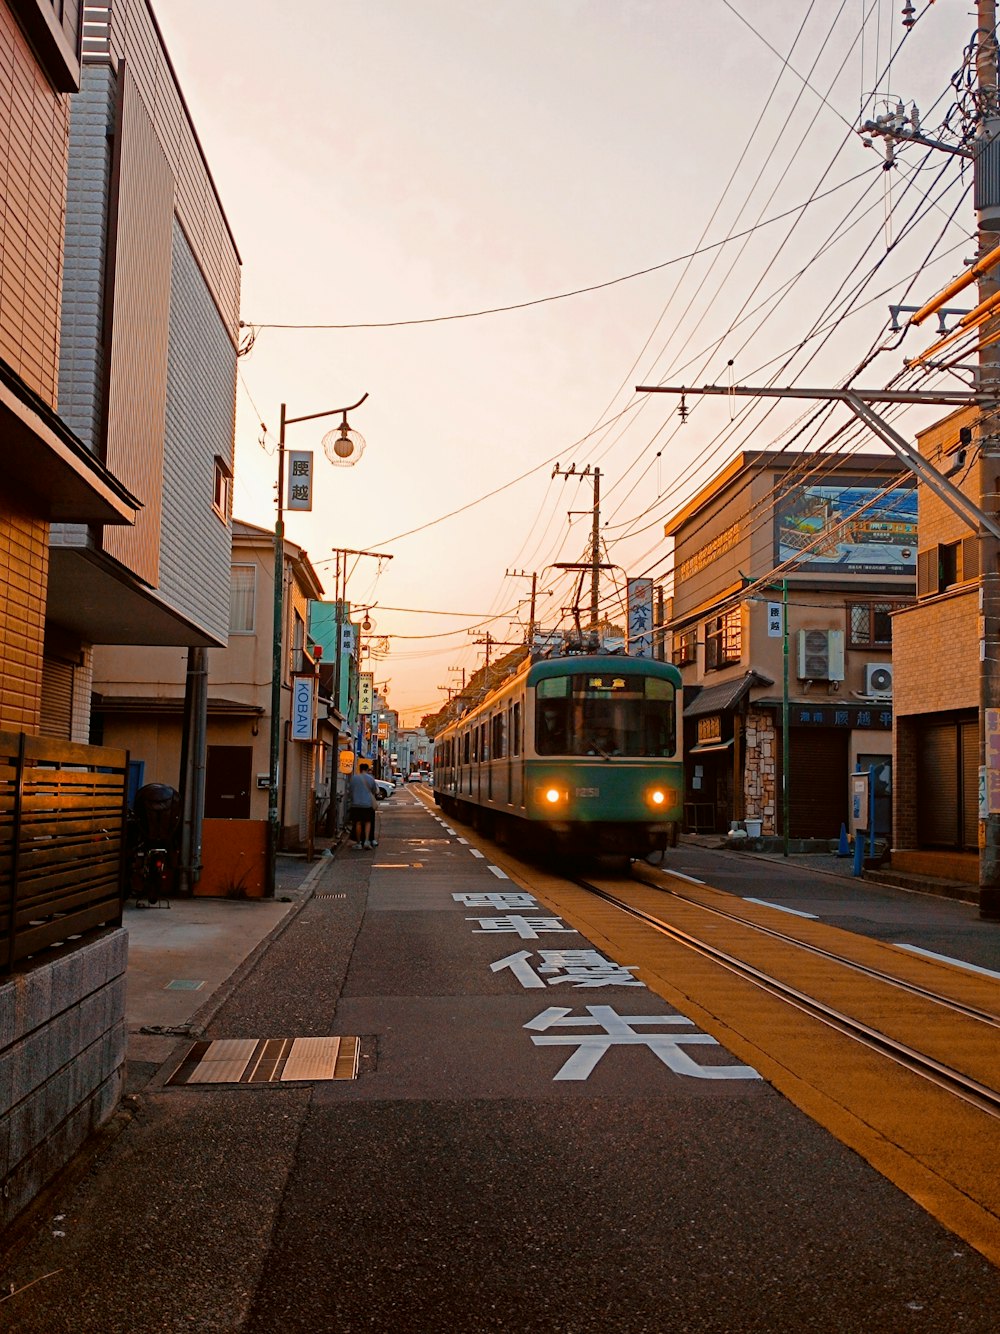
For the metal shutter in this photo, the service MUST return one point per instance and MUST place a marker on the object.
(818, 777)
(937, 785)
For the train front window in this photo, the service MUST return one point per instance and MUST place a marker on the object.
(607, 715)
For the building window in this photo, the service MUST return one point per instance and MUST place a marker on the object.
(724, 640)
(949, 563)
(221, 488)
(870, 623)
(242, 599)
(685, 647)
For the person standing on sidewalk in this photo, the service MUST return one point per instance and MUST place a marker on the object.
(361, 798)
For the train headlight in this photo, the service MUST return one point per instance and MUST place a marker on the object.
(552, 795)
(657, 796)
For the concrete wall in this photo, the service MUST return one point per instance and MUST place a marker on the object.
(62, 1062)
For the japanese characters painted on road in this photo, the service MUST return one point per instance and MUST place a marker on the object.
(366, 692)
(640, 618)
(619, 1030)
(303, 708)
(300, 480)
(581, 968)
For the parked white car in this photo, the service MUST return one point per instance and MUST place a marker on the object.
(383, 789)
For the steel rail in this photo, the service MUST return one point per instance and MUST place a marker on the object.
(967, 1011)
(969, 1090)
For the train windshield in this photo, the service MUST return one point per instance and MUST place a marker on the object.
(606, 715)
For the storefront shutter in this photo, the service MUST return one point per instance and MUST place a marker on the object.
(937, 786)
(818, 779)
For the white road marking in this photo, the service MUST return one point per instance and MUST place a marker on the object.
(681, 876)
(464, 840)
(500, 875)
(476, 853)
(781, 908)
(944, 958)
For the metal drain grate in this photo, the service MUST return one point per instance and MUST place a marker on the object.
(330, 894)
(268, 1060)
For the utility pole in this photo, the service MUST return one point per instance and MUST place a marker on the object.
(340, 600)
(523, 574)
(595, 534)
(987, 200)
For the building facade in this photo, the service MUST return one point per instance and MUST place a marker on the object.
(799, 560)
(139, 697)
(936, 674)
(62, 1012)
(147, 365)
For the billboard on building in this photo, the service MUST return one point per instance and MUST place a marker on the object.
(852, 527)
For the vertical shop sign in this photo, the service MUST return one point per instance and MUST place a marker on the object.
(640, 618)
(303, 708)
(366, 692)
(300, 479)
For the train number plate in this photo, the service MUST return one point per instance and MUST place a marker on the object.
(588, 791)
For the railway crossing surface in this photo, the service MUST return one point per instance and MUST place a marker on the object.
(460, 1093)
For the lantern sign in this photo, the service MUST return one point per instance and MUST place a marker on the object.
(366, 692)
(300, 479)
(303, 708)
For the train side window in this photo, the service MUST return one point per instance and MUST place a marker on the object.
(515, 731)
(466, 744)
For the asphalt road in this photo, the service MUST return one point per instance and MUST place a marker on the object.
(477, 1175)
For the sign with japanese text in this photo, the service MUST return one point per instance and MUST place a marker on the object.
(300, 480)
(366, 692)
(640, 618)
(303, 708)
(345, 763)
(775, 627)
(347, 640)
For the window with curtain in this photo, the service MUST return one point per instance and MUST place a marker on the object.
(242, 599)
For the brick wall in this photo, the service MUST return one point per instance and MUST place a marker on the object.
(24, 565)
(34, 133)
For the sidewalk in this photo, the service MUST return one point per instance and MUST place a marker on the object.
(829, 863)
(185, 959)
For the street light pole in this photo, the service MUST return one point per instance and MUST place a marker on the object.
(273, 831)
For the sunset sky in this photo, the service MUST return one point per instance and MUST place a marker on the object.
(399, 167)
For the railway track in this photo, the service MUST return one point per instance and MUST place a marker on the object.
(959, 1083)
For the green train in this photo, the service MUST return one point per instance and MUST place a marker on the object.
(577, 754)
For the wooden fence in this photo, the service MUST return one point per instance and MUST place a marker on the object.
(62, 836)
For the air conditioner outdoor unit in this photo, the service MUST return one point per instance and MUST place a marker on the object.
(878, 678)
(821, 655)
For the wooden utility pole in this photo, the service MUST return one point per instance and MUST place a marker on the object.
(986, 176)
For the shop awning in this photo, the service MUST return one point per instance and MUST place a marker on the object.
(711, 745)
(717, 699)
